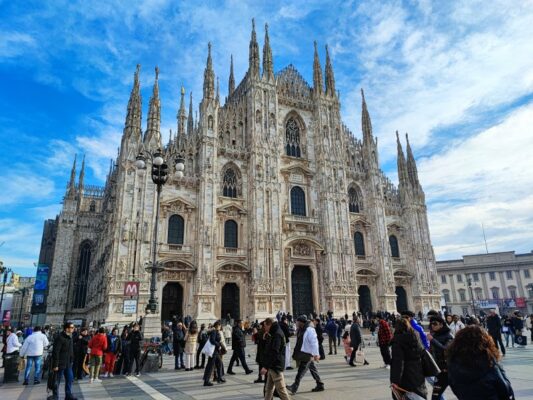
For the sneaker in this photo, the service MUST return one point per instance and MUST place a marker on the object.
(98, 380)
(291, 390)
(106, 375)
(250, 371)
(387, 366)
(25, 383)
(36, 382)
(289, 368)
(319, 388)
(258, 380)
(137, 374)
(91, 380)
(111, 375)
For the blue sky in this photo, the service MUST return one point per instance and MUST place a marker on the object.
(458, 76)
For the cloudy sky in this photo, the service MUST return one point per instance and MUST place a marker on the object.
(458, 76)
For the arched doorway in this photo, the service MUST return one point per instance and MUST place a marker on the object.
(302, 290)
(401, 299)
(230, 303)
(365, 300)
(172, 304)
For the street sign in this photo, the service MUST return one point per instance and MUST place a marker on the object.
(130, 307)
(131, 289)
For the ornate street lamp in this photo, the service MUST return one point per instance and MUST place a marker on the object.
(6, 271)
(159, 174)
(469, 283)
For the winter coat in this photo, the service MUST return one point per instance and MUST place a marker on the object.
(406, 368)
(81, 345)
(331, 328)
(114, 344)
(98, 344)
(216, 339)
(135, 338)
(286, 331)
(191, 341)
(237, 338)
(274, 349)
(178, 340)
(384, 333)
(355, 336)
(494, 325)
(483, 382)
(63, 351)
(260, 342)
(441, 340)
(319, 333)
(34, 345)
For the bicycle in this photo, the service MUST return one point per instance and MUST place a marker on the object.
(151, 348)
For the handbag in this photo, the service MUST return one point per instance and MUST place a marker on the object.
(51, 382)
(360, 355)
(429, 366)
(402, 394)
(208, 349)
(22, 364)
(520, 340)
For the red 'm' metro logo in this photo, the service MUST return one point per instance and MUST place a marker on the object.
(131, 289)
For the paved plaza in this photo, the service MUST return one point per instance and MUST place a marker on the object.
(342, 382)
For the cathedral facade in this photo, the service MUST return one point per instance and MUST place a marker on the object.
(280, 207)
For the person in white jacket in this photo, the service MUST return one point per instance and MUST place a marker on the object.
(456, 325)
(32, 349)
(12, 342)
(306, 354)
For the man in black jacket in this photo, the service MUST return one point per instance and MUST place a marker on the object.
(494, 327)
(355, 339)
(286, 331)
(439, 339)
(80, 352)
(135, 338)
(62, 358)
(238, 343)
(274, 360)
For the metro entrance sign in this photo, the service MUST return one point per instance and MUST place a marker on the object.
(131, 289)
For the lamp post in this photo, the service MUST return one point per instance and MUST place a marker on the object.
(23, 290)
(6, 271)
(159, 174)
(469, 283)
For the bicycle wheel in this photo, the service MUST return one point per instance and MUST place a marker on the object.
(160, 356)
(143, 360)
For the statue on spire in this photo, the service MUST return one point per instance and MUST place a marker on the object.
(209, 76)
(154, 115)
(268, 63)
(182, 116)
(231, 83)
(253, 57)
(317, 73)
(330, 78)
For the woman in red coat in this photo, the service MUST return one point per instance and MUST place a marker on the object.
(98, 344)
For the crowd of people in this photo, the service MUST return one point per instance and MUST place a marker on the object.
(460, 352)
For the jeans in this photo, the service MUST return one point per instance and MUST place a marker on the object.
(198, 354)
(178, 361)
(302, 369)
(508, 335)
(238, 353)
(214, 362)
(30, 360)
(69, 377)
(498, 341)
(332, 344)
(189, 360)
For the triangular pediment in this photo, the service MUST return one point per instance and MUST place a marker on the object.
(297, 169)
(231, 208)
(177, 203)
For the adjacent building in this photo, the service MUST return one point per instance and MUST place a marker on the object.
(503, 281)
(281, 208)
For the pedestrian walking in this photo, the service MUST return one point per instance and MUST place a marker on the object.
(135, 338)
(62, 359)
(494, 327)
(346, 342)
(191, 341)
(384, 340)
(114, 347)
(474, 371)
(274, 360)
(356, 339)
(406, 369)
(238, 344)
(81, 344)
(320, 337)
(287, 332)
(260, 343)
(202, 339)
(331, 330)
(439, 338)
(410, 316)
(98, 344)
(33, 349)
(306, 354)
(215, 361)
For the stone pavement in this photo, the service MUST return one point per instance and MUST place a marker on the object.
(342, 382)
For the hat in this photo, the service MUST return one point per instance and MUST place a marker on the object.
(408, 313)
(302, 318)
(19, 332)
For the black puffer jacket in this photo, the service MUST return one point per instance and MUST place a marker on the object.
(274, 349)
(63, 351)
(441, 340)
(238, 340)
(482, 382)
(406, 369)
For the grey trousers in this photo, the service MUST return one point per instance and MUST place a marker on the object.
(303, 366)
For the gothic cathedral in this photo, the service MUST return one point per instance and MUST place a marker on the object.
(280, 207)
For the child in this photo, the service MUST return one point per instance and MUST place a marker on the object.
(347, 346)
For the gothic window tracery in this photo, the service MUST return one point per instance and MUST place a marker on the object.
(231, 231)
(298, 201)
(82, 276)
(359, 243)
(230, 183)
(292, 134)
(394, 249)
(354, 201)
(92, 206)
(176, 226)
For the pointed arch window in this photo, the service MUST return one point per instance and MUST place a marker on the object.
(354, 201)
(297, 201)
(82, 276)
(231, 231)
(292, 134)
(394, 249)
(359, 242)
(92, 206)
(229, 184)
(176, 229)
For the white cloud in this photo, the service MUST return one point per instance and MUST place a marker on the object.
(14, 44)
(485, 179)
(24, 187)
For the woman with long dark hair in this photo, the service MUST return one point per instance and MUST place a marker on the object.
(406, 373)
(473, 369)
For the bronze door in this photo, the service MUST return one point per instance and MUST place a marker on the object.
(302, 291)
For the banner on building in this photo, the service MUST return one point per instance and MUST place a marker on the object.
(40, 287)
(131, 289)
(41, 278)
(6, 318)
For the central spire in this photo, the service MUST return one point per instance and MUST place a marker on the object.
(182, 115)
(365, 122)
(268, 63)
(209, 76)
(402, 169)
(231, 83)
(154, 114)
(253, 57)
(133, 118)
(190, 122)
